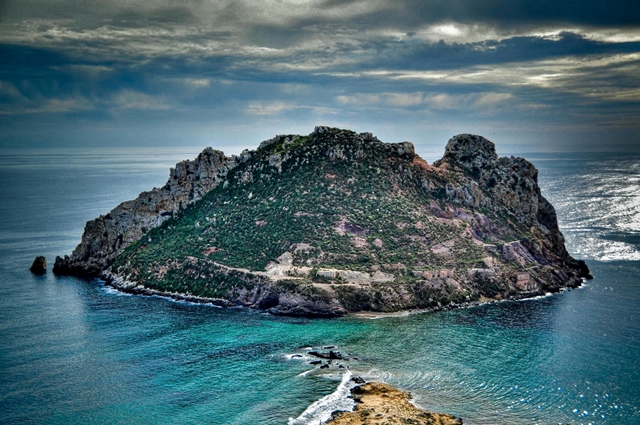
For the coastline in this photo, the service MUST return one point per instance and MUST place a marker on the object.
(357, 402)
(127, 287)
(581, 314)
(373, 315)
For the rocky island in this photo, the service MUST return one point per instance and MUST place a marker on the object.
(335, 222)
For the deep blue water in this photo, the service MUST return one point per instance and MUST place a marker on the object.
(73, 351)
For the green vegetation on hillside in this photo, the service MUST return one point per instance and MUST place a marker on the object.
(334, 200)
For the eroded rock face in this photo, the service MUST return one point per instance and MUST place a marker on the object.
(107, 235)
(507, 184)
(469, 150)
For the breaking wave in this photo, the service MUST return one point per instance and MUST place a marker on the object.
(320, 411)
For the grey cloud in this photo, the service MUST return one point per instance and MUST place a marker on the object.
(194, 62)
(515, 49)
(274, 36)
(413, 13)
(405, 16)
(132, 18)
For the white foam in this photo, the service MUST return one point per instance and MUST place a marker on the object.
(113, 291)
(537, 297)
(320, 411)
(179, 301)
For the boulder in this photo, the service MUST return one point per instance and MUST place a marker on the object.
(583, 269)
(358, 380)
(469, 150)
(39, 265)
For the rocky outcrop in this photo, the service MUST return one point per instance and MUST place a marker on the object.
(381, 403)
(39, 265)
(107, 235)
(508, 185)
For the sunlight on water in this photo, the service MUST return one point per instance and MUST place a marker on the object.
(598, 204)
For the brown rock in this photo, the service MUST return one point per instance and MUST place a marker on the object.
(384, 404)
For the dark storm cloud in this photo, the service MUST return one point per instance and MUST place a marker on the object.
(415, 13)
(441, 55)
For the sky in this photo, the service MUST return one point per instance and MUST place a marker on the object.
(529, 75)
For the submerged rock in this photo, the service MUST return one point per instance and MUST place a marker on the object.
(331, 355)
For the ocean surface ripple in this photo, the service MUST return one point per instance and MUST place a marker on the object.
(598, 204)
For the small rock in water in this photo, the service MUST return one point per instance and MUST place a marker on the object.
(315, 362)
(358, 380)
(331, 355)
(39, 265)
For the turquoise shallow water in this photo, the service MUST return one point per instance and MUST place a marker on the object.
(73, 351)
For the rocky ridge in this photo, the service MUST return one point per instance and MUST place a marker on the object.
(336, 222)
(106, 236)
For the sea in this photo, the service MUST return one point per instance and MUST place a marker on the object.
(74, 351)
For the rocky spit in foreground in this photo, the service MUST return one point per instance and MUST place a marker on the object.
(333, 223)
(379, 403)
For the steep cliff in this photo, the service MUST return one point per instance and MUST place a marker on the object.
(107, 235)
(336, 222)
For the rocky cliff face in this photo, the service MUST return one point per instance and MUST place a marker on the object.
(509, 186)
(107, 235)
(336, 222)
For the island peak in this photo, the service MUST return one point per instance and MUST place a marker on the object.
(470, 150)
